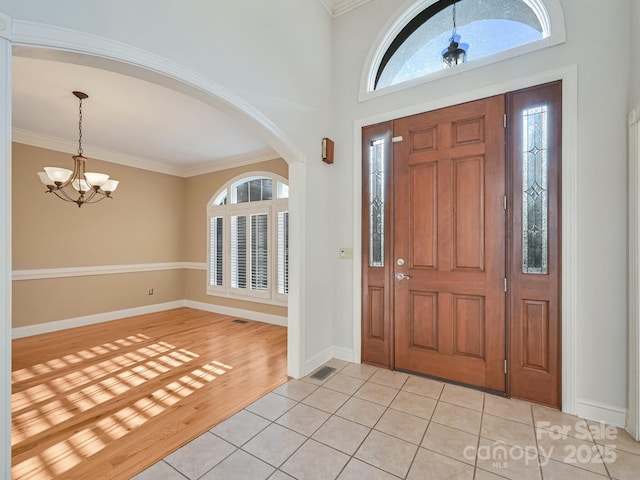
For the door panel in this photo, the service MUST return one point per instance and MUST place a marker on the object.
(449, 228)
(535, 264)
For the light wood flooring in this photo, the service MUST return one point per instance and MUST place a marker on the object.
(108, 400)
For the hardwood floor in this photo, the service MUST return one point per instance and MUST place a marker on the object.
(108, 400)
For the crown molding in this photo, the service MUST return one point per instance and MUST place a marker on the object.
(340, 7)
(60, 145)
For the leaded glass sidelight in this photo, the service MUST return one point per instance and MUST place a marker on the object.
(535, 190)
(376, 203)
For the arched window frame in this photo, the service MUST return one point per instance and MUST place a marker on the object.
(549, 12)
(274, 209)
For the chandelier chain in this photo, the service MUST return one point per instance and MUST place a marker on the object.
(80, 130)
(453, 33)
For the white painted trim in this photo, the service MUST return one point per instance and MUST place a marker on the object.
(600, 412)
(570, 245)
(549, 12)
(340, 7)
(65, 146)
(633, 410)
(20, 332)
(5, 245)
(238, 312)
(325, 355)
(43, 273)
(62, 40)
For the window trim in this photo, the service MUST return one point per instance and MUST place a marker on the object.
(549, 12)
(271, 208)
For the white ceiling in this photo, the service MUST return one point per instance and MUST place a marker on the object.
(125, 120)
(128, 120)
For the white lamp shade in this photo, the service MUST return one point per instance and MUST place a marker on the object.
(81, 185)
(110, 186)
(44, 178)
(58, 175)
(96, 179)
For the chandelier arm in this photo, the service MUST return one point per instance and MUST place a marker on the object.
(62, 194)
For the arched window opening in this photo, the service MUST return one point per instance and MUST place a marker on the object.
(248, 239)
(485, 26)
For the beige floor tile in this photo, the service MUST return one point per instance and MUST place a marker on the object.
(274, 444)
(357, 470)
(342, 434)
(423, 386)
(296, 389)
(241, 427)
(626, 466)
(240, 466)
(318, 381)
(451, 442)
(387, 453)
(515, 410)
(361, 411)
(344, 384)
(431, 465)
(457, 417)
(315, 461)
(303, 419)
(402, 425)
(279, 475)
(553, 470)
(553, 419)
(359, 370)
(508, 461)
(337, 364)
(609, 435)
(413, 404)
(200, 455)
(326, 399)
(464, 397)
(389, 378)
(159, 470)
(583, 454)
(271, 406)
(512, 433)
(376, 393)
(484, 475)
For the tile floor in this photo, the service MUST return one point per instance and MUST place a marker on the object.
(368, 423)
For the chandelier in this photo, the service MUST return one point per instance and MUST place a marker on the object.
(454, 54)
(87, 187)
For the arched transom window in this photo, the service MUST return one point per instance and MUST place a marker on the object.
(483, 28)
(248, 239)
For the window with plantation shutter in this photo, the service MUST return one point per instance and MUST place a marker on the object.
(249, 239)
(216, 237)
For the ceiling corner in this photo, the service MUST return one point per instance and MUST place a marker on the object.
(340, 7)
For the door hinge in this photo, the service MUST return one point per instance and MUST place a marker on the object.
(505, 202)
(504, 121)
(505, 284)
(505, 366)
(397, 139)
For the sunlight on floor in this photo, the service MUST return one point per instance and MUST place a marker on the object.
(48, 394)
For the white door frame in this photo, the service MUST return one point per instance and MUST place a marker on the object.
(570, 246)
(633, 411)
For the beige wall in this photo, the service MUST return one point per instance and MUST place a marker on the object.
(153, 218)
(143, 223)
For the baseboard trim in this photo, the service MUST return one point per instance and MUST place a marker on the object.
(325, 355)
(238, 312)
(600, 412)
(49, 327)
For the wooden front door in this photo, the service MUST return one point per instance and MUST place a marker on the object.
(461, 248)
(449, 243)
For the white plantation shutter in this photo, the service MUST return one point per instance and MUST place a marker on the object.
(216, 236)
(260, 252)
(248, 243)
(283, 253)
(238, 251)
